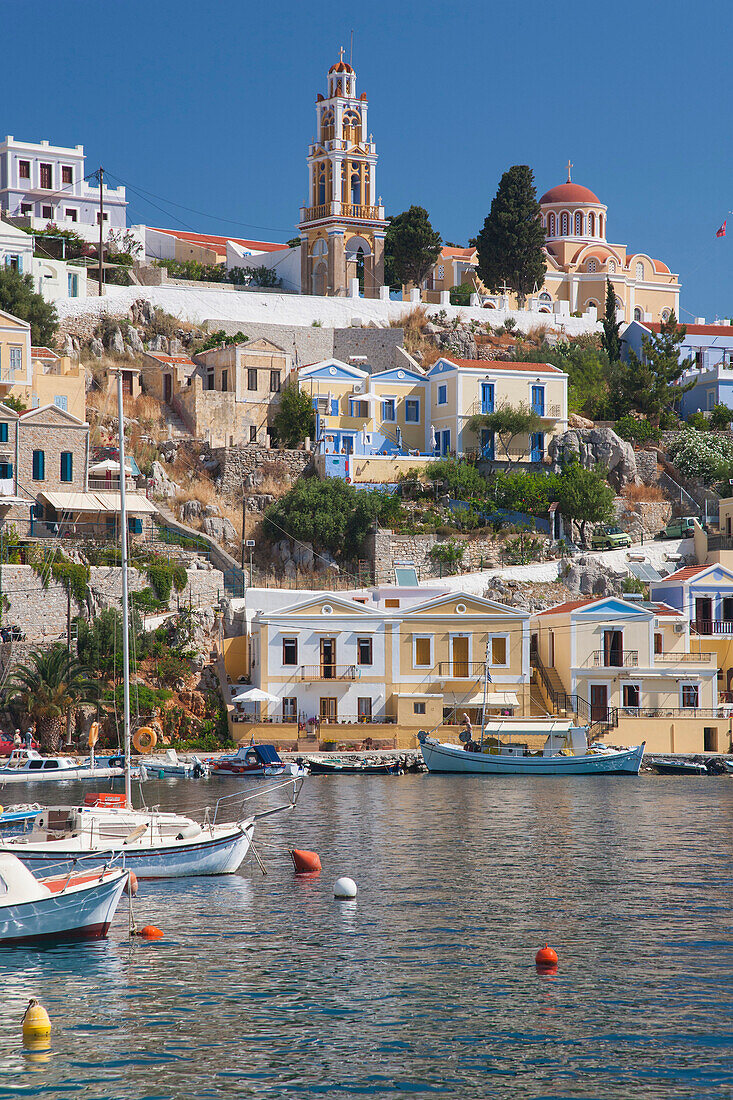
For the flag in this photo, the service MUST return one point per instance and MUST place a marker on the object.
(721, 231)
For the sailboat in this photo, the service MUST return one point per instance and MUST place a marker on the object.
(155, 844)
(502, 748)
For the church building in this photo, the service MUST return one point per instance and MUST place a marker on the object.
(342, 226)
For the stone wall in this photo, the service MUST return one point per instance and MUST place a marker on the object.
(386, 550)
(377, 344)
(642, 519)
(313, 343)
(238, 465)
(647, 467)
(41, 613)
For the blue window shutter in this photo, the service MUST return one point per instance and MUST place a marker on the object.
(334, 406)
(314, 402)
(4, 432)
(67, 466)
(39, 465)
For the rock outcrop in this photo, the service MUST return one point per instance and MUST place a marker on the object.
(596, 447)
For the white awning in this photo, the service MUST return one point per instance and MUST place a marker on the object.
(101, 503)
(493, 699)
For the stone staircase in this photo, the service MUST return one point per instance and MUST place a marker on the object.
(174, 425)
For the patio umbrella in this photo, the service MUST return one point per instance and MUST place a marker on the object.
(109, 465)
(255, 695)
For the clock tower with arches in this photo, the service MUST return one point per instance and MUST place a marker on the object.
(342, 227)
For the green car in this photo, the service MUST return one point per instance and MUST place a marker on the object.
(610, 538)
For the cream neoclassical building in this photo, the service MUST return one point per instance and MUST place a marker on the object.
(342, 226)
(579, 259)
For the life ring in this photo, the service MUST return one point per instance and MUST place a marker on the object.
(93, 734)
(145, 739)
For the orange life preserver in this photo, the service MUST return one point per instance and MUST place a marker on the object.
(93, 734)
(145, 739)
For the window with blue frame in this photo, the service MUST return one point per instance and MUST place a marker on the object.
(61, 401)
(442, 395)
(39, 465)
(487, 397)
(4, 432)
(67, 466)
(6, 471)
(135, 525)
(487, 444)
(412, 411)
(73, 286)
(537, 446)
(538, 400)
(388, 409)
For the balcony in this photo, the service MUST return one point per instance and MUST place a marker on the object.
(669, 658)
(314, 673)
(711, 626)
(547, 412)
(463, 670)
(620, 658)
(341, 210)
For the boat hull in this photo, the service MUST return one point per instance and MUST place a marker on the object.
(72, 915)
(219, 854)
(449, 759)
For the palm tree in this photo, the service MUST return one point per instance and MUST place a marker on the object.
(51, 684)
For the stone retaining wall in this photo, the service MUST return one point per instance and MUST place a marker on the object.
(642, 519)
(251, 460)
(386, 550)
(41, 613)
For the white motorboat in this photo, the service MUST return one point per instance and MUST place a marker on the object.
(76, 905)
(28, 766)
(256, 760)
(728, 766)
(504, 750)
(171, 764)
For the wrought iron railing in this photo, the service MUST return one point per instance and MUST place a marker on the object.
(685, 658)
(329, 672)
(601, 658)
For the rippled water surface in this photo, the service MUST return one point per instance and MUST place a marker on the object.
(425, 986)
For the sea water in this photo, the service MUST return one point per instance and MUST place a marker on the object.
(425, 985)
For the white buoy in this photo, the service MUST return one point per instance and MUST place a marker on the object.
(344, 888)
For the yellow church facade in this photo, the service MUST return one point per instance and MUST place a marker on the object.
(342, 226)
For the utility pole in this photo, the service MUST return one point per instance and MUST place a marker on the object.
(244, 526)
(68, 652)
(101, 231)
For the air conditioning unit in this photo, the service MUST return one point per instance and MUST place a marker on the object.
(679, 628)
(359, 387)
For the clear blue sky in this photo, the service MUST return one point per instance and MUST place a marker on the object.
(210, 105)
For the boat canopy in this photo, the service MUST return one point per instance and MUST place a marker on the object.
(535, 726)
(267, 754)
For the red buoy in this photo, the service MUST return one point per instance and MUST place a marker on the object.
(305, 863)
(150, 932)
(546, 958)
(131, 884)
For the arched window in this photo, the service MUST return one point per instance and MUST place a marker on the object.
(356, 188)
(545, 297)
(600, 225)
(550, 225)
(640, 270)
(327, 125)
(611, 267)
(638, 314)
(591, 224)
(564, 224)
(352, 126)
(578, 224)
(320, 247)
(321, 185)
(665, 314)
(592, 266)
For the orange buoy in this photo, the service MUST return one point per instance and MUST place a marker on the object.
(145, 739)
(546, 958)
(131, 884)
(150, 932)
(305, 863)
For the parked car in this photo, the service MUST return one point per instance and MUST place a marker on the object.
(610, 538)
(7, 746)
(680, 527)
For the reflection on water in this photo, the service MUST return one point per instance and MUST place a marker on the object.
(425, 984)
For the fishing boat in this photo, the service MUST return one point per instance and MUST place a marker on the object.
(155, 844)
(28, 766)
(679, 767)
(728, 765)
(253, 761)
(16, 819)
(171, 764)
(319, 766)
(78, 905)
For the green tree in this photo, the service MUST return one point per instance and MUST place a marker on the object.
(461, 295)
(511, 242)
(330, 515)
(411, 247)
(48, 686)
(220, 339)
(522, 491)
(462, 478)
(508, 423)
(294, 419)
(611, 338)
(584, 496)
(586, 365)
(651, 384)
(254, 276)
(17, 296)
(720, 418)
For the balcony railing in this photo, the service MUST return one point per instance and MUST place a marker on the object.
(711, 626)
(669, 658)
(461, 670)
(547, 412)
(340, 210)
(626, 658)
(329, 672)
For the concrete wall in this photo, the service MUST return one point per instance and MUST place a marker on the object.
(314, 343)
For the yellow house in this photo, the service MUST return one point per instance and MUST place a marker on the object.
(15, 353)
(462, 388)
(56, 380)
(626, 665)
(453, 267)
(395, 659)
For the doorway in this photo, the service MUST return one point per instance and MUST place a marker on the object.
(613, 648)
(704, 615)
(728, 611)
(460, 658)
(551, 648)
(328, 658)
(167, 388)
(598, 703)
(327, 710)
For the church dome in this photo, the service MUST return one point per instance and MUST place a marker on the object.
(341, 67)
(569, 193)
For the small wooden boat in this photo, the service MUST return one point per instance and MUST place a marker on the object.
(256, 760)
(77, 905)
(728, 765)
(352, 767)
(678, 767)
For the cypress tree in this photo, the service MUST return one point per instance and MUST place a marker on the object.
(611, 340)
(511, 241)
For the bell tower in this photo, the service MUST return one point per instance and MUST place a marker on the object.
(342, 226)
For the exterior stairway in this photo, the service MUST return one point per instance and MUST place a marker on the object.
(176, 428)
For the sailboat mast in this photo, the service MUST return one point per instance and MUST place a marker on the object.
(486, 688)
(125, 607)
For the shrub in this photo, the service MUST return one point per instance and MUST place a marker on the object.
(461, 295)
(636, 431)
(462, 478)
(706, 456)
(720, 417)
(449, 554)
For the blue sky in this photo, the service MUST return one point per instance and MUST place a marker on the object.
(211, 106)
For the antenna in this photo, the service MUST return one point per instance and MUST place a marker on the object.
(351, 50)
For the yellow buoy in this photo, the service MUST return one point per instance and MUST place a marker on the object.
(36, 1023)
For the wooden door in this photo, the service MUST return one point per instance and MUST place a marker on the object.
(704, 615)
(613, 648)
(598, 702)
(551, 648)
(328, 658)
(167, 388)
(460, 658)
(328, 710)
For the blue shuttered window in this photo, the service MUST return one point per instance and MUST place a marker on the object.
(67, 466)
(39, 465)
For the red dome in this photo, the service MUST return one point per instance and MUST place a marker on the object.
(569, 192)
(341, 67)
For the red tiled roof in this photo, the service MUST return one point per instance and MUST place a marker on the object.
(206, 240)
(43, 353)
(696, 330)
(569, 605)
(569, 192)
(503, 364)
(684, 574)
(171, 360)
(458, 253)
(665, 610)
